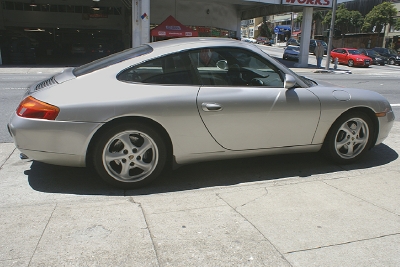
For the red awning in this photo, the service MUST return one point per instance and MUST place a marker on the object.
(296, 33)
(173, 28)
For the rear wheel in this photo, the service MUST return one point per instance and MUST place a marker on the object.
(391, 61)
(349, 137)
(350, 63)
(129, 155)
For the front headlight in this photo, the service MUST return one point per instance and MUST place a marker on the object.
(359, 59)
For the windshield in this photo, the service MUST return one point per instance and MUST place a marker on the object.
(111, 60)
(392, 51)
(354, 52)
(373, 53)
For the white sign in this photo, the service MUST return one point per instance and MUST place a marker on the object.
(310, 3)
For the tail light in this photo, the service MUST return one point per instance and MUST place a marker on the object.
(30, 107)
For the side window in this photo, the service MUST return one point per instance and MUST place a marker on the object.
(222, 66)
(170, 69)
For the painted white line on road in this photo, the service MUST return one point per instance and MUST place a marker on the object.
(395, 105)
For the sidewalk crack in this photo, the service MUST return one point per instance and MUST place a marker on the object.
(148, 230)
(9, 156)
(360, 198)
(41, 236)
(340, 244)
(255, 227)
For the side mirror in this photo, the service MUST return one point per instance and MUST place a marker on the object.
(289, 82)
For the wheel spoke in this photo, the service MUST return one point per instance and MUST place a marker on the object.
(111, 156)
(346, 129)
(359, 127)
(340, 144)
(144, 166)
(361, 140)
(126, 141)
(146, 146)
(125, 170)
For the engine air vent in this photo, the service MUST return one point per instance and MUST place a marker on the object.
(46, 83)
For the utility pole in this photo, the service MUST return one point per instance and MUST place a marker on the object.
(331, 33)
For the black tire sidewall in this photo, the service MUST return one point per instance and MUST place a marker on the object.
(329, 144)
(351, 63)
(108, 133)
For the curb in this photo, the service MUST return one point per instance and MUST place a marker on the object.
(334, 71)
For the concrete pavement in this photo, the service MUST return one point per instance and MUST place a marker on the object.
(287, 210)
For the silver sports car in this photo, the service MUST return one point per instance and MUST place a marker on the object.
(136, 113)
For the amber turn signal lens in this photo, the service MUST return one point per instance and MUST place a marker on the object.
(30, 107)
(380, 114)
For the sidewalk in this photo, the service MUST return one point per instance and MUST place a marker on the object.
(288, 210)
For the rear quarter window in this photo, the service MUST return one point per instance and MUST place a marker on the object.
(111, 60)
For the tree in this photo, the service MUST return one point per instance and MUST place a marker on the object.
(317, 18)
(380, 16)
(345, 20)
(265, 30)
(397, 25)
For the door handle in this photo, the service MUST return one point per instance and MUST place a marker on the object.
(211, 107)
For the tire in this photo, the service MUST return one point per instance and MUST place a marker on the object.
(391, 61)
(350, 63)
(129, 155)
(349, 138)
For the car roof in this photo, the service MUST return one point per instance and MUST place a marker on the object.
(194, 42)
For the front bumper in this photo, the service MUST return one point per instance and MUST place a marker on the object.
(385, 125)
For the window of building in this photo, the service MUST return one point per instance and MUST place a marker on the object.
(24, 6)
(251, 32)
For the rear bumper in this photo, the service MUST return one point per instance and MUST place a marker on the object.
(55, 142)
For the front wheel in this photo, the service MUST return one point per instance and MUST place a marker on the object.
(349, 137)
(129, 155)
(350, 63)
(391, 61)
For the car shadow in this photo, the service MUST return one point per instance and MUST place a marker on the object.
(82, 181)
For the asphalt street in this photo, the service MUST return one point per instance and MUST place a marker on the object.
(286, 210)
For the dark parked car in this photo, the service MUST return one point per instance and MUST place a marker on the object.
(377, 58)
(391, 54)
(291, 52)
(313, 44)
(292, 41)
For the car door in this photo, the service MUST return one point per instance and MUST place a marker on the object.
(342, 56)
(254, 110)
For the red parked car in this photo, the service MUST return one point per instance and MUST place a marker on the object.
(351, 57)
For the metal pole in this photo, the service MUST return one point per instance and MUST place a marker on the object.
(136, 23)
(331, 33)
(291, 24)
